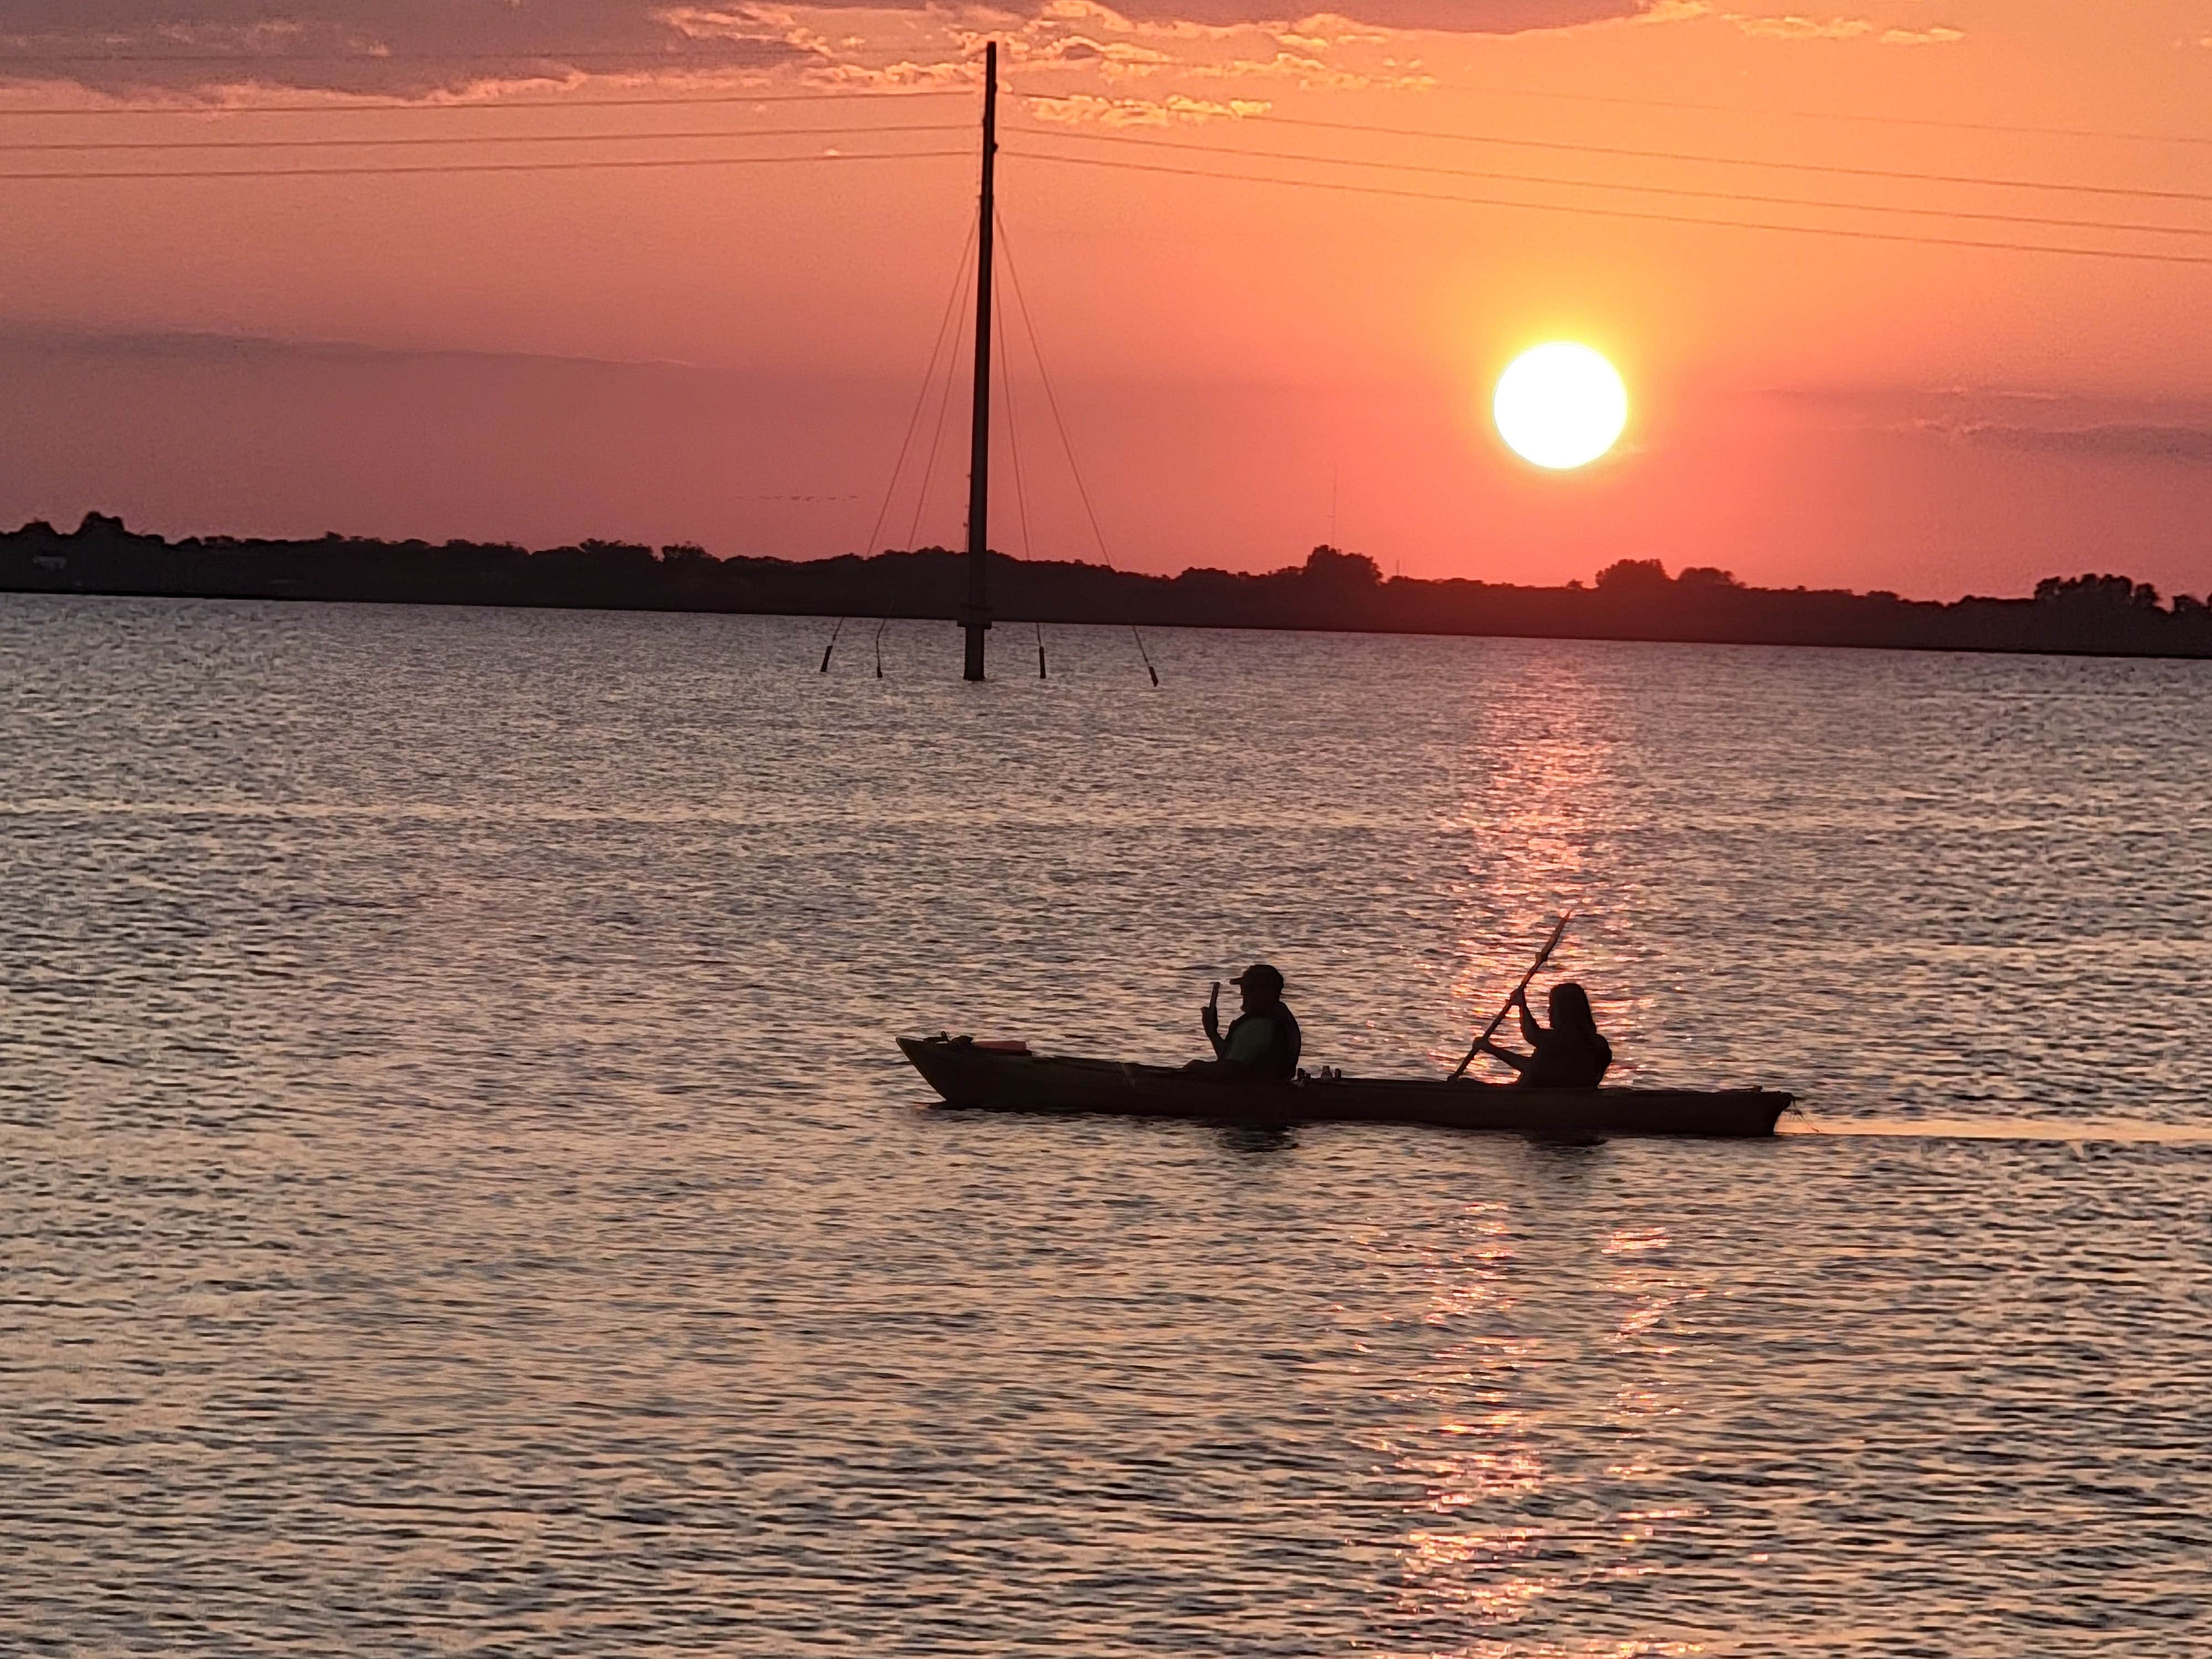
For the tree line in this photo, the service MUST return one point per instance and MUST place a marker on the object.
(1329, 590)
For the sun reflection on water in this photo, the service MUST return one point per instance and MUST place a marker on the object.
(1523, 1486)
(1547, 803)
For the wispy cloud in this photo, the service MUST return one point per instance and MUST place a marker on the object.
(1789, 27)
(2024, 420)
(215, 347)
(1792, 26)
(1938, 34)
(2116, 440)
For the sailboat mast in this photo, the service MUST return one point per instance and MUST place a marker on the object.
(975, 615)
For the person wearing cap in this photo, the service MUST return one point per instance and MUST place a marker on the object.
(1261, 1043)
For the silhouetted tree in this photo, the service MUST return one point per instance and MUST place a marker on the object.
(2096, 590)
(1332, 569)
(1625, 576)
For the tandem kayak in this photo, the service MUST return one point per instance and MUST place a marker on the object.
(1008, 1078)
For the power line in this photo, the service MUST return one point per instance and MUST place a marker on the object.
(2043, 219)
(417, 106)
(1862, 116)
(672, 52)
(678, 53)
(144, 144)
(1836, 168)
(1852, 233)
(605, 165)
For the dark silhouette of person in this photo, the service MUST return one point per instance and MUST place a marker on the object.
(1263, 1043)
(1570, 1054)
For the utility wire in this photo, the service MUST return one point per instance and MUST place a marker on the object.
(891, 95)
(1862, 116)
(610, 164)
(869, 548)
(416, 140)
(1855, 233)
(670, 53)
(2045, 221)
(674, 54)
(88, 145)
(1838, 169)
(415, 106)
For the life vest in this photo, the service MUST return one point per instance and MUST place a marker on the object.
(1279, 1062)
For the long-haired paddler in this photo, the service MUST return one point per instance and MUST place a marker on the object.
(1569, 1053)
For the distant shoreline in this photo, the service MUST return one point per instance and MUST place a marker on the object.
(1331, 592)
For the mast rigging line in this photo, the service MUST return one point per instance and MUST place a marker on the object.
(945, 403)
(1835, 169)
(1014, 434)
(1854, 233)
(868, 549)
(1052, 400)
(2046, 220)
(606, 164)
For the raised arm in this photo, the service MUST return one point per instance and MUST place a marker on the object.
(1210, 1019)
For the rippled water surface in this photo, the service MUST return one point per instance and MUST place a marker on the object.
(460, 1195)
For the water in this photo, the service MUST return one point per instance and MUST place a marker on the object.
(460, 1195)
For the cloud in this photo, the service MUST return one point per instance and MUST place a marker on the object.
(206, 347)
(1792, 26)
(1440, 17)
(414, 47)
(2116, 440)
(402, 47)
(2022, 420)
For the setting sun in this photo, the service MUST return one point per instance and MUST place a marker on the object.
(1561, 405)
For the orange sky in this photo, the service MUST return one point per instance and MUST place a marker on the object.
(730, 353)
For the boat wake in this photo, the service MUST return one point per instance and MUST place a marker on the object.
(2103, 1131)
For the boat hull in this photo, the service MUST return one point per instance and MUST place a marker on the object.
(990, 1080)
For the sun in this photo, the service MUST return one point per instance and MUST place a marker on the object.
(1560, 405)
